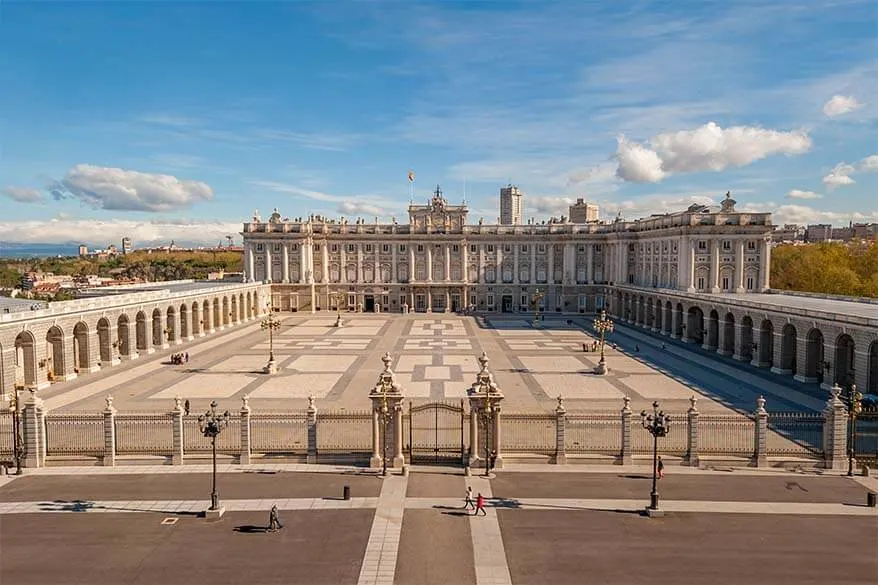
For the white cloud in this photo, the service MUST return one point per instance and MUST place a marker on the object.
(124, 190)
(798, 194)
(548, 205)
(605, 173)
(839, 105)
(360, 208)
(638, 163)
(64, 230)
(869, 164)
(707, 148)
(803, 214)
(22, 194)
(839, 176)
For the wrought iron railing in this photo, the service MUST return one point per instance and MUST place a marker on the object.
(144, 434)
(279, 433)
(527, 433)
(344, 432)
(74, 434)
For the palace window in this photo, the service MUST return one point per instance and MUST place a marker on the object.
(541, 248)
(259, 247)
(524, 248)
(403, 273)
(751, 245)
(294, 247)
(727, 245)
(702, 245)
(507, 248)
(524, 300)
(402, 300)
(454, 247)
(402, 247)
(751, 283)
(352, 248)
(472, 248)
(727, 283)
(334, 248)
(597, 248)
(385, 248)
(490, 300)
(368, 247)
(422, 273)
(701, 283)
(582, 248)
(277, 247)
(420, 247)
(316, 247)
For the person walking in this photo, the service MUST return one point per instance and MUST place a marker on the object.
(480, 505)
(661, 467)
(186, 407)
(274, 520)
(468, 500)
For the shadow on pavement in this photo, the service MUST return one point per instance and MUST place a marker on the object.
(636, 476)
(250, 529)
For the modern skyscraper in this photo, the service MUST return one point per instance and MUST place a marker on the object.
(510, 205)
(126, 245)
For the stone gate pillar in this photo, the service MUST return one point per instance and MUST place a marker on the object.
(386, 397)
(484, 399)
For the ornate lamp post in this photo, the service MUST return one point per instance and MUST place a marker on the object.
(657, 424)
(212, 424)
(855, 407)
(486, 418)
(538, 296)
(336, 296)
(17, 442)
(604, 326)
(271, 324)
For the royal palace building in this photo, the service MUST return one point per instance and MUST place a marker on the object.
(438, 262)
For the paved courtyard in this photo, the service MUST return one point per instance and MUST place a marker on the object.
(435, 358)
(561, 526)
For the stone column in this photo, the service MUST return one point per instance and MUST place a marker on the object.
(626, 431)
(560, 433)
(569, 264)
(312, 431)
(589, 263)
(760, 451)
(464, 254)
(303, 262)
(309, 266)
(765, 266)
(692, 446)
(690, 267)
(343, 271)
(109, 459)
(412, 267)
(398, 455)
(250, 265)
(739, 266)
(515, 264)
(473, 460)
(484, 391)
(269, 272)
(177, 422)
(32, 430)
(550, 269)
(777, 354)
(481, 259)
(386, 391)
(835, 432)
(447, 262)
(376, 459)
(714, 265)
(244, 458)
(285, 258)
(359, 263)
(429, 248)
(393, 260)
(324, 258)
(499, 273)
(738, 350)
(377, 271)
(675, 322)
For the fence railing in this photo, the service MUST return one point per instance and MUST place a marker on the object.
(348, 435)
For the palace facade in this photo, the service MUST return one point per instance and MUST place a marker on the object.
(439, 262)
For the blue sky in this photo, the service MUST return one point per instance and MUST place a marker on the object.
(176, 120)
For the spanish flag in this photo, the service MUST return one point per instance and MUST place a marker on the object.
(411, 176)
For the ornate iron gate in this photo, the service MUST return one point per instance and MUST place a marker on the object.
(436, 433)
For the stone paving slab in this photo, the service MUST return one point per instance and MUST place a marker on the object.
(436, 484)
(575, 547)
(715, 487)
(323, 547)
(188, 486)
(448, 559)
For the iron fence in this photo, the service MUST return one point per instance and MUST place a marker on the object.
(144, 434)
(867, 435)
(228, 441)
(794, 433)
(732, 434)
(527, 433)
(74, 434)
(279, 433)
(344, 432)
(599, 433)
(676, 442)
(7, 441)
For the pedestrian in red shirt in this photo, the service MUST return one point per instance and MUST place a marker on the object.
(480, 505)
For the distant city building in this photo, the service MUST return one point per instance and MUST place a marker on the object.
(790, 232)
(83, 250)
(821, 232)
(582, 212)
(126, 245)
(510, 205)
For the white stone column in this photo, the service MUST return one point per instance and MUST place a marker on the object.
(481, 253)
(269, 273)
(690, 267)
(359, 262)
(550, 270)
(343, 272)
(324, 249)
(499, 275)
(464, 253)
(765, 265)
(589, 263)
(250, 276)
(303, 261)
(567, 270)
(412, 272)
(447, 262)
(515, 264)
(533, 263)
(739, 266)
(393, 261)
(285, 258)
(714, 265)
(429, 262)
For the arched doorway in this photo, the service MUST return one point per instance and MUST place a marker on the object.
(171, 325)
(54, 363)
(766, 344)
(81, 357)
(650, 314)
(25, 360)
(141, 332)
(196, 320)
(813, 357)
(123, 336)
(104, 343)
(747, 338)
(844, 360)
(184, 322)
(695, 326)
(787, 361)
(678, 324)
(872, 383)
(658, 322)
(157, 330)
(728, 334)
(712, 330)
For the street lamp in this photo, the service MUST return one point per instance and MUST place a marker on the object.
(486, 418)
(336, 295)
(603, 325)
(855, 407)
(271, 324)
(657, 424)
(538, 296)
(211, 425)
(17, 442)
